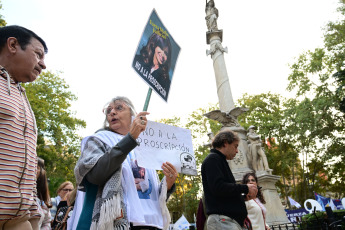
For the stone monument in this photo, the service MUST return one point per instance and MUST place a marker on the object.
(250, 156)
(256, 156)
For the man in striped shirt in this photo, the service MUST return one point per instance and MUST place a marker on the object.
(22, 55)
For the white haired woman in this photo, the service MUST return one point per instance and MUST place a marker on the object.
(107, 170)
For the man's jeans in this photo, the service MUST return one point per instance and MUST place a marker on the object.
(220, 222)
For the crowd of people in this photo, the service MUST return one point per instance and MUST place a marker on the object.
(112, 191)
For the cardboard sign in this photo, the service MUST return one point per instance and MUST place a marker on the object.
(161, 143)
(156, 56)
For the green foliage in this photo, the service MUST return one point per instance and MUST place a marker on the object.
(2, 20)
(340, 78)
(317, 78)
(57, 142)
(314, 221)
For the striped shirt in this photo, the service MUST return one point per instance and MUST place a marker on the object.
(18, 157)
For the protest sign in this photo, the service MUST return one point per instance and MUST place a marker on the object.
(160, 143)
(156, 56)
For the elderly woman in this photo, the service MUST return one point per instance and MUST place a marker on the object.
(256, 209)
(107, 171)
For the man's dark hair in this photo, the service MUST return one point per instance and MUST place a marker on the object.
(22, 34)
(223, 137)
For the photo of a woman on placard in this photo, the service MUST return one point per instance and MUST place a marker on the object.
(155, 59)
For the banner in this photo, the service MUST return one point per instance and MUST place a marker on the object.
(295, 215)
(324, 201)
(156, 56)
(294, 203)
(338, 204)
(160, 143)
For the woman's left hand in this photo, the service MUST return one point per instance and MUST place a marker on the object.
(170, 173)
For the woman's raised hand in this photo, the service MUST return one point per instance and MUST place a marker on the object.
(139, 124)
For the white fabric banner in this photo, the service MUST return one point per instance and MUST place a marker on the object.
(161, 143)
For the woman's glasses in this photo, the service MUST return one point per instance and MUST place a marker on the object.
(117, 108)
(67, 190)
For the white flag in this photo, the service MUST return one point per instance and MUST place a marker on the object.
(294, 203)
(333, 207)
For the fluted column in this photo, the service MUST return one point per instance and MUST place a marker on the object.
(214, 38)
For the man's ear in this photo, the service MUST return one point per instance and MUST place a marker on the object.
(12, 45)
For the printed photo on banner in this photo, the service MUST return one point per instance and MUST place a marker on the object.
(156, 56)
(161, 143)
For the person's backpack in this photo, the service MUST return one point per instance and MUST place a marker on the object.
(61, 217)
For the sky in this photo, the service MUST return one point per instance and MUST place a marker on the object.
(93, 44)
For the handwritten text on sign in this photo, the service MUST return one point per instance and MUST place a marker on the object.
(161, 143)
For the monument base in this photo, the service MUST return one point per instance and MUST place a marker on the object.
(275, 210)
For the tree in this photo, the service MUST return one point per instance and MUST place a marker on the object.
(57, 141)
(2, 21)
(340, 78)
(319, 117)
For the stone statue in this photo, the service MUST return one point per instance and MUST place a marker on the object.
(256, 152)
(216, 46)
(211, 16)
(227, 119)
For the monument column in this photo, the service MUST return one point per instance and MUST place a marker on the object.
(214, 39)
(227, 116)
(228, 113)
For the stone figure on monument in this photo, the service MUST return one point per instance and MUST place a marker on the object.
(211, 16)
(227, 119)
(256, 152)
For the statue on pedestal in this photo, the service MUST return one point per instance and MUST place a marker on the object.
(256, 152)
(227, 116)
(211, 16)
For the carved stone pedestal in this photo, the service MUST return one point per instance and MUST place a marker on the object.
(274, 207)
